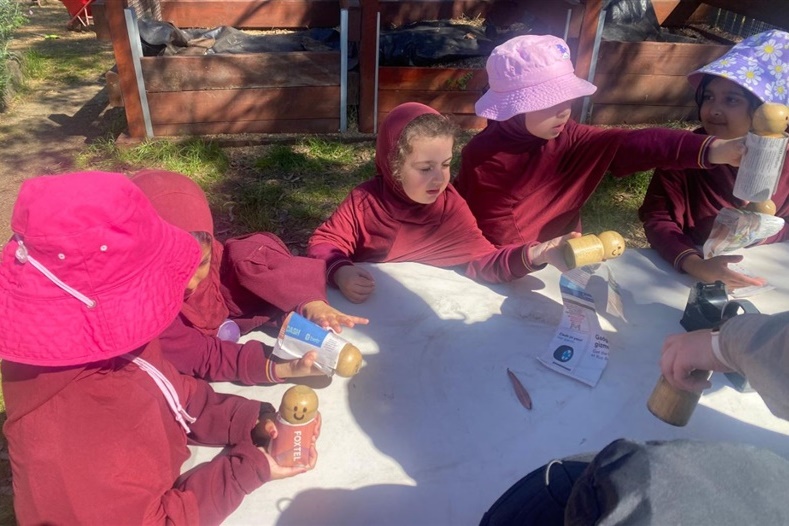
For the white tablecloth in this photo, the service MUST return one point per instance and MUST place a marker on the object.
(430, 431)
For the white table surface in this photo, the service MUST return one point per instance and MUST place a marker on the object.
(430, 431)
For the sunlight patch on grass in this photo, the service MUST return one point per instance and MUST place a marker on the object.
(202, 160)
(58, 63)
(298, 186)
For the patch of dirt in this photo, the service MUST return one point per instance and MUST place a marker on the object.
(43, 131)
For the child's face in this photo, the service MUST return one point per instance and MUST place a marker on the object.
(202, 271)
(725, 111)
(425, 171)
(548, 123)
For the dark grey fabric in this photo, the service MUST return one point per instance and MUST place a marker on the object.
(681, 482)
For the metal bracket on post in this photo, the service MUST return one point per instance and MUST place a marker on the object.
(593, 66)
(343, 70)
(136, 52)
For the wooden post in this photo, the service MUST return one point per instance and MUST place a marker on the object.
(368, 55)
(116, 21)
(583, 59)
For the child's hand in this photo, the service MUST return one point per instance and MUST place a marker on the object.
(717, 269)
(266, 428)
(304, 366)
(327, 316)
(281, 472)
(354, 282)
(729, 151)
(551, 252)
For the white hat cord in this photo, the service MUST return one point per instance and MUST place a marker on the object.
(24, 257)
(167, 390)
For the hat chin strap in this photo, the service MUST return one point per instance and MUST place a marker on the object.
(24, 257)
(167, 389)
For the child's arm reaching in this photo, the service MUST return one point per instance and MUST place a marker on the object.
(336, 242)
(515, 261)
(328, 317)
(717, 269)
(667, 216)
(551, 252)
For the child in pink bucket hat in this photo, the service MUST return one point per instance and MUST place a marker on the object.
(97, 420)
(680, 206)
(527, 175)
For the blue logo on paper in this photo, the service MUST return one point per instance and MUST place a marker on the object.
(563, 353)
(301, 328)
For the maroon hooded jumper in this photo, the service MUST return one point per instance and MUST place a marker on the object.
(254, 280)
(680, 207)
(378, 222)
(522, 188)
(114, 459)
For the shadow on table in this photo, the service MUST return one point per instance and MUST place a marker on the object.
(436, 401)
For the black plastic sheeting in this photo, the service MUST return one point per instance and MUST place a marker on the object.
(636, 21)
(163, 38)
(426, 43)
(432, 42)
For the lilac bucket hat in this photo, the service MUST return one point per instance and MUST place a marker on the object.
(529, 73)
(760, 64)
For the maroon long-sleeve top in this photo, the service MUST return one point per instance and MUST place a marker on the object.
(522, 188)
(253, 279)
(72, 430)
(680, 207)
(378, 222)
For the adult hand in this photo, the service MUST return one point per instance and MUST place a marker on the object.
(551, 252)
(684, 353)
(304, 366)
(717, 269)
(354, 282)
(328, 317)
(727, 151)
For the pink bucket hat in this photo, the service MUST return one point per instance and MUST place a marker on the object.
(529, 73)
(91, 272)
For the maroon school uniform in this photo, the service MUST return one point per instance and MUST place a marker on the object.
(522, 188)
(253, 279)
(378, 222)
(114, 451)
(98, 421)
(680, 207)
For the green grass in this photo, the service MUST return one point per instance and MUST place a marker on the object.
(201, 159)
(10, 18)
(64, 62)
(614, 206)
(293, 188)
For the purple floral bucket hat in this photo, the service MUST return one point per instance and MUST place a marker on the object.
(759, 64)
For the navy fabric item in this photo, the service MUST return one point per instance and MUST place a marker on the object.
(539, 498)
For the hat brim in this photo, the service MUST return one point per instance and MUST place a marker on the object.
(56, 329)
(500, 106)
